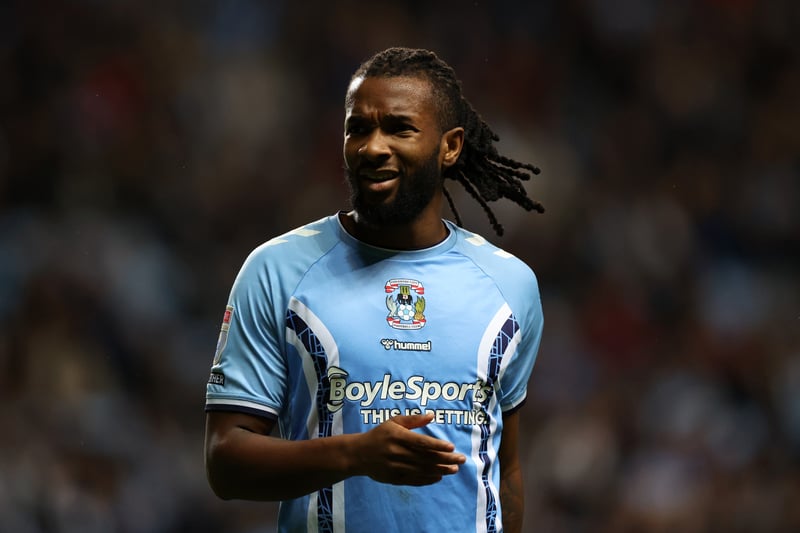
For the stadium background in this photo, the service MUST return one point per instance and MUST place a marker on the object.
(145, 150)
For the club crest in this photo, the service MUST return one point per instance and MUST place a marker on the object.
(406, 304)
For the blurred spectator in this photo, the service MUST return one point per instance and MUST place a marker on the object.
(144, 152)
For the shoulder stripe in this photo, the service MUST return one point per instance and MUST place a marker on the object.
(304, 232)
(476, 240)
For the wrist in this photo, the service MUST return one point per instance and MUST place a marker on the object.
(352, 464)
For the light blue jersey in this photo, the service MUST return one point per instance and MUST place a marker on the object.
(330, 336)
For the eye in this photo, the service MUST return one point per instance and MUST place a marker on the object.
(356, 127)
(401, 128)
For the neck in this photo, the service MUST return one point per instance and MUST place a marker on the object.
(414, 236)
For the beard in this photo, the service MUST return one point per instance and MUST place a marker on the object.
(415, 191)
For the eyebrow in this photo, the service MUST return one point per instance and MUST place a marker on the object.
(388, 117)
(395, 117)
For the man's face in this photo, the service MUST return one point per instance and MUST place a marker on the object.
(392, 148)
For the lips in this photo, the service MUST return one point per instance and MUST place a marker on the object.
(378, 183)
(378, 175)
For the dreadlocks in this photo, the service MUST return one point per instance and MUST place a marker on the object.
(485, 174)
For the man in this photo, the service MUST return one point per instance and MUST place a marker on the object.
(392, 348)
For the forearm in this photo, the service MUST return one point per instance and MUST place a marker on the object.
(244, 462)
(512, 500)
(247, 465)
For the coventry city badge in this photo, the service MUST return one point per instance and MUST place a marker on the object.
(406, 304)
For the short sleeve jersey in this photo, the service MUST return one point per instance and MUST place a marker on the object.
(328, 335)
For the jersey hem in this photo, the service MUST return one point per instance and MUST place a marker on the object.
(514, 407)
(241, 406)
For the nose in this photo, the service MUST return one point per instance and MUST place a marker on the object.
(375, 146)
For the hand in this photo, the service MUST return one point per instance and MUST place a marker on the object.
(392, 453)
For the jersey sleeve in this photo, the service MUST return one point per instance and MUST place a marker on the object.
(249, 372)
(527, 308)
(519, 288)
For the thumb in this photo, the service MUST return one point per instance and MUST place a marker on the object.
(413, 421)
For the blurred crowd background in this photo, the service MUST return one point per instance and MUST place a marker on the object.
(146, 148)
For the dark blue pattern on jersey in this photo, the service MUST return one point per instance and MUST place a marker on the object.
(501, 342)
(315, 349)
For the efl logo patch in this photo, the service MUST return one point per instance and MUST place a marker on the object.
(223, 333)
(406, 304)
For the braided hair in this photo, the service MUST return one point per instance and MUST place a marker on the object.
(485, 174)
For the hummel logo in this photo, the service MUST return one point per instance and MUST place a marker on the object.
(394, 344)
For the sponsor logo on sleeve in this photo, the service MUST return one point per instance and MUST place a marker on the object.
(222, 340)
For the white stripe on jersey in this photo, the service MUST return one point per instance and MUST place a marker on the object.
(310, 374)
(338, 500)
(312, 522)
(484, 350)
(510, 350)
(311, 379)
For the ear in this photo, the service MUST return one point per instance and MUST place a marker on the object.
(451, 145)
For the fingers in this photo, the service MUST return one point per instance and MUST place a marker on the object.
(392, 453)
(444, 464)
(413, 421)
(425, 451)
(421, 442)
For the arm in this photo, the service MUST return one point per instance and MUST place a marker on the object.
(511, 491)
(243, 461)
